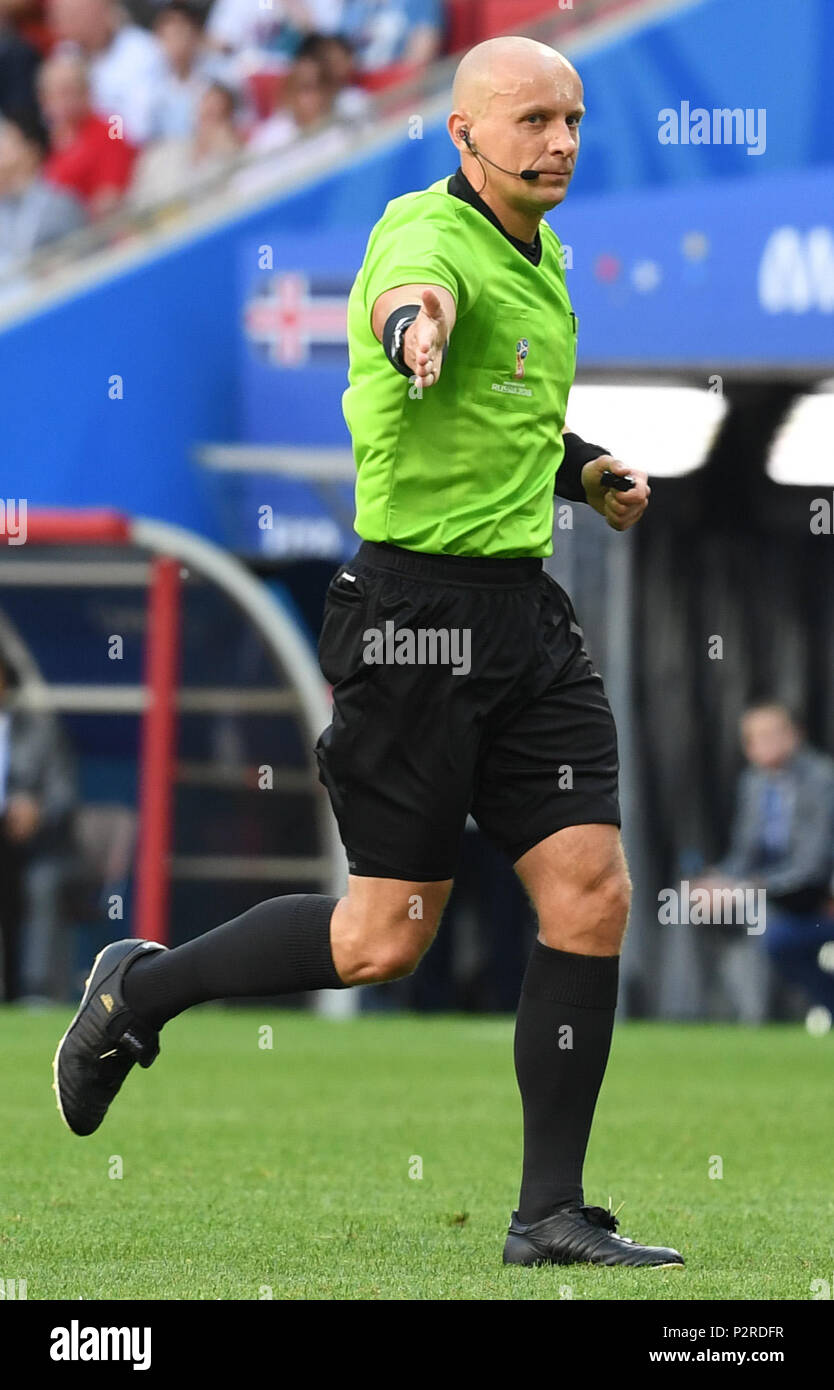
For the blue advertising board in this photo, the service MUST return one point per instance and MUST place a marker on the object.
(673, 279)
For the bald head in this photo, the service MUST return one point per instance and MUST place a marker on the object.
(505, 67)
(519, 104)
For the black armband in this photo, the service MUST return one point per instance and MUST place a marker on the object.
(393, 336)
(569, 474)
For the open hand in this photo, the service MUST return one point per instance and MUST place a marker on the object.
(425, 340)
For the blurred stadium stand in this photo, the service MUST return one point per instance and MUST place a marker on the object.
(191, 358)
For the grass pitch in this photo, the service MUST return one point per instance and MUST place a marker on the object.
(296, 1170)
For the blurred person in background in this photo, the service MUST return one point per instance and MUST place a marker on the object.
(33, 211)
(782, 840)
(126, 64)
(191, 67)
(308, 102)
(84, 157)
(385, 32)
(19, 59)
(180, 167)
(37, 799)
(307, 109)
(730, 973)
(266, 38)
(335, 53)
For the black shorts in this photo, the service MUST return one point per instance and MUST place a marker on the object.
(510, 723)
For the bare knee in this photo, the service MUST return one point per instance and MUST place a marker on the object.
(370, 958)
(394, 961)
(383, 935)
(610, 895)
(589, 917)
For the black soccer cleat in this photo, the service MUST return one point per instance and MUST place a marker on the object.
(103, 1041)
(581, 1235)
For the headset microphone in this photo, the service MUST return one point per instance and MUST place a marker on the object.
(528, 174)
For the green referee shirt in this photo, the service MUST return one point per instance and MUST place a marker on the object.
(468, 467)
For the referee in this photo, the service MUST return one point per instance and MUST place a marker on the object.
(460, 680)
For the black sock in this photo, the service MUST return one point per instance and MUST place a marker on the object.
(562, 1040)
(281, 946)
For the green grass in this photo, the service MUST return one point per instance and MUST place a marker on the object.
(289, 1168)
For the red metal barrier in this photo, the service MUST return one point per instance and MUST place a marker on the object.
(62, 526)
(158, 752)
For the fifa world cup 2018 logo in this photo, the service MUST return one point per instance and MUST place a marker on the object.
(521, 350)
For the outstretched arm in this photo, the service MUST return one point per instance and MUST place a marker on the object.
(426, 338)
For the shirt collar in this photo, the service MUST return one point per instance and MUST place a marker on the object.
(460, 187)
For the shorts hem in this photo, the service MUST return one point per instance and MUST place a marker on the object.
(360, 867)
(521, 847)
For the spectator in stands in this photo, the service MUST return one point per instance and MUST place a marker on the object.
(179, 168)
(86, 155)
(728, 975)
(19, 61)
(33, 212)
(191, 67)
(385, 32)
(126, 64)
(335, 53)
(308, 101)
(783, 841)
(308, 109)
(37, 798)
(267, 38)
